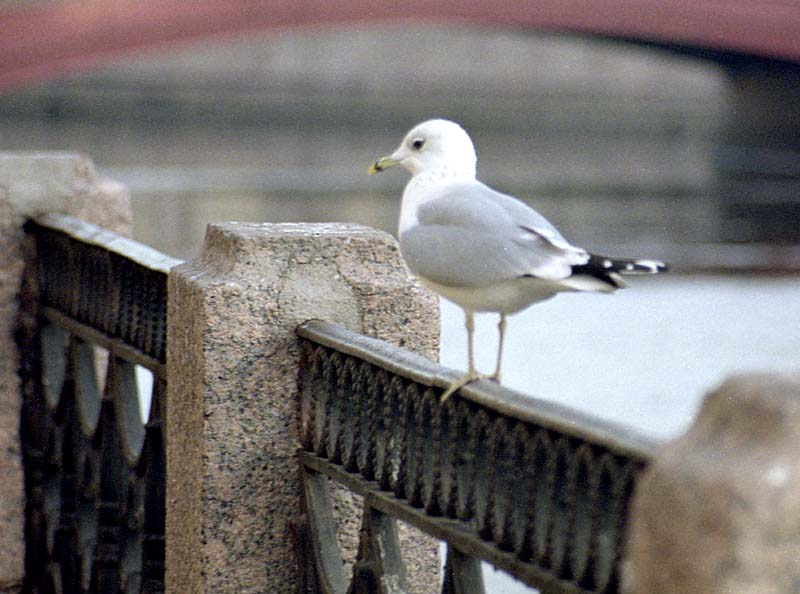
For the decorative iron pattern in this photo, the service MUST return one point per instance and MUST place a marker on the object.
(94, 307)
(534, 488)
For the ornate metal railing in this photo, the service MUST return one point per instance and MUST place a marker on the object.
(93, 308)
(536, 489)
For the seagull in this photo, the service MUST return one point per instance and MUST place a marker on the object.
(483, 250)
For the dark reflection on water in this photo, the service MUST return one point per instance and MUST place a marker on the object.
(601, 188)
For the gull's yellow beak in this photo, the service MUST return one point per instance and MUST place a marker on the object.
(381, 164)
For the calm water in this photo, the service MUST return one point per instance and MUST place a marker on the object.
(644, 356)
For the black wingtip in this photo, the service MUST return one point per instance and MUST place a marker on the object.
(610, 269)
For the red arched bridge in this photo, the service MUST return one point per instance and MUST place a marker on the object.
(43, 41)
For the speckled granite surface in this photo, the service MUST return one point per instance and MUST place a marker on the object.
(233, 481)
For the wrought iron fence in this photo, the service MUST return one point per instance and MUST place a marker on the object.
(93, 309)
(537, 490)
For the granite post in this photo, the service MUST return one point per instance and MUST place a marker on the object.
(719, 510)
(32, 184)
(232, 435)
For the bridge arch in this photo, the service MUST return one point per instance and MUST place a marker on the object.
(50, 40)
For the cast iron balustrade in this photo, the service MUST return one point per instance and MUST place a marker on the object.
(536, 489)
(93, 305)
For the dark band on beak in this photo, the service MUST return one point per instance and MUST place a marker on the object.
(382, 164)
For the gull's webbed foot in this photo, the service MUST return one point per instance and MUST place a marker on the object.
(468, 378)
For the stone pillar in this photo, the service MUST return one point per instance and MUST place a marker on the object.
(31, 184)
(719, 510)
(232, 475)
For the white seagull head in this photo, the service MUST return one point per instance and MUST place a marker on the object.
(437, 147)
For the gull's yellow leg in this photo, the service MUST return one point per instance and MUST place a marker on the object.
(501, 327)
(472, 374)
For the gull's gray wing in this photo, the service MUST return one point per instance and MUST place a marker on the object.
(471, 235)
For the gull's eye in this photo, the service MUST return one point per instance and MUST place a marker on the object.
(417, 143)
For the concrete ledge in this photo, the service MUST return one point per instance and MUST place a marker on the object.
(232, 475)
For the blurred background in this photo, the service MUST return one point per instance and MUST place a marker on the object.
(631, 149)
(618, 144)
